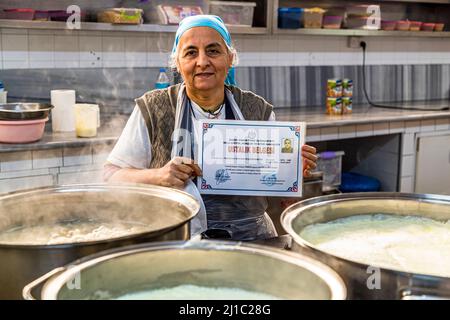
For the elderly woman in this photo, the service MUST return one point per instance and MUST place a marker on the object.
(152, 148)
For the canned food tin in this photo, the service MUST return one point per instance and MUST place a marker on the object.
(346, 105)
(334, 106)
(347, 88)
(334, 88)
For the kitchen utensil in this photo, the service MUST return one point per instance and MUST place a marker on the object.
(24, 111)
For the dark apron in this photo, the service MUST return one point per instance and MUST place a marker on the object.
(240, 218)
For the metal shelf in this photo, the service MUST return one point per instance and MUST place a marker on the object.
(94, 26)
(362, 33)
(419, 1)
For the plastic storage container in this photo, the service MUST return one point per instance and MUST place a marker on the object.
(356, 22)
(330, 163)
(388, 25)
(289, 18)
(233, 13)
(439, 27)
(87, 119)
(19, 14)
(332, 22)
(22, 131)
(152, 8)
(63, 15)
(41, 15)
(174, 14)
(362, 10)
(121, 16)
(354, 182)
(415, 25)
(402, 25)
(312, 18)
(364, 23)
(427, 27)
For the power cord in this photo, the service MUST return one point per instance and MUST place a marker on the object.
(373, 104)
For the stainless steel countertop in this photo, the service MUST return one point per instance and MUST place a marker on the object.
(107, 134)
(316, 117)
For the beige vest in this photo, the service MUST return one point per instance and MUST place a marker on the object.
(158, 108)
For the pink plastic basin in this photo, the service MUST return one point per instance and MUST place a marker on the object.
(21, 131)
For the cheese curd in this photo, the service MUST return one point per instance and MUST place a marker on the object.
(406, 243)
(70, 232)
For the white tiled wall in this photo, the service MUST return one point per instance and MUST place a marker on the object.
(290, 50)
(39, 168)
(21, 48)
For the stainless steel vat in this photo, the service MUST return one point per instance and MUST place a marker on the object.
(166, 211)
(359, 277)
(208, 263)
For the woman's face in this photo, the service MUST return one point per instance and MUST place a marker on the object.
(203, 59)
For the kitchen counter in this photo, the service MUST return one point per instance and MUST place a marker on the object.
(63, 158)
(107, 134)
(52, 140)
(315, 117)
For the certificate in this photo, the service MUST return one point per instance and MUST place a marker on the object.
(251, 158)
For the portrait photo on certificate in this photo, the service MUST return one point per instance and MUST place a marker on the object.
(250, 157)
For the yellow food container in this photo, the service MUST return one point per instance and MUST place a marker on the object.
(312, 17)
(87, 120)
(121, 16)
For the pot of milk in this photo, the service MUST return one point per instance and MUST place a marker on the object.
(193, 270)
(45, 228)
(384, 245)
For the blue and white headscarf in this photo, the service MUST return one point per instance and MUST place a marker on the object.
(209, 21)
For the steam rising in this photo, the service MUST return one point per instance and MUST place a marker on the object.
(110, 205)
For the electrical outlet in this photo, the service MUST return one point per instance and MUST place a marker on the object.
(354, 42)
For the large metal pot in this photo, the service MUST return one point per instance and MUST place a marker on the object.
(208, 263)
(166, 211)
(361, 278)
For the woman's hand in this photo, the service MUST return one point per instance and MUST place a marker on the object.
(176, 172)
(309, 160)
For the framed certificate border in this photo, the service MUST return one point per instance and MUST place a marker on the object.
(293, 190)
